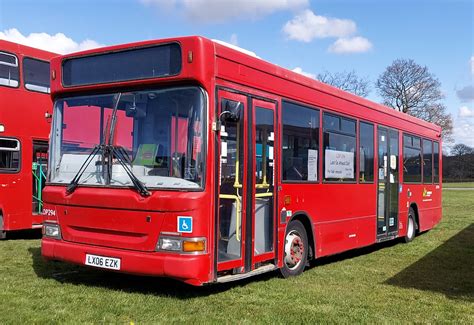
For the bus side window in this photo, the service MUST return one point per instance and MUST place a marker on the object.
(9, 155)
(300, 142)
(436, 162)
(366, 158)
(411, 159)
(9, 72)
(427, 161)
(339, 148)
(36, 75)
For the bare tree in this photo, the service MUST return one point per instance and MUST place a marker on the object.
(461, 149)
(348, 81)
(410, 88)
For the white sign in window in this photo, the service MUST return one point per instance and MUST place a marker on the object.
(312, 165)
(338, 164)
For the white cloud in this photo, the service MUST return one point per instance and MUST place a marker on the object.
(304, 73)
(465, 111)
(57, 43)
(307, 26)
(223, 10)
(463, 131)
(356, 44)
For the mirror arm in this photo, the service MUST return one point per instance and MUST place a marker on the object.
(218, 123)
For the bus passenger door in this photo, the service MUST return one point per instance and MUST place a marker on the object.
(388, 184)
(39, 168)
(245, 229)
(263, 179)
(232, 144)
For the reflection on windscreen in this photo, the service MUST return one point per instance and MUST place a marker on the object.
(161, 130)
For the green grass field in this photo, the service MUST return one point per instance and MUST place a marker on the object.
(430, 280)
(459, 185)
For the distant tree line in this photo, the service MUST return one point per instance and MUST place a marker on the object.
(459, 166)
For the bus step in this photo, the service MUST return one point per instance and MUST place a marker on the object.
(385, 238)
(234, 277)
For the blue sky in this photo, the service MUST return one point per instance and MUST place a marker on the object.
(333, 35)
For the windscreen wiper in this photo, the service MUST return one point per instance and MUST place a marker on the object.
(109, 151)
(112, 152)
(123, 158)
(71, 187)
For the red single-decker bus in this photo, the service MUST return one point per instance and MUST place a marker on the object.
(189, 159)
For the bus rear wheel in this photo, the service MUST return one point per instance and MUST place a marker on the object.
(3, 233)
(411, 226)
(295, 250)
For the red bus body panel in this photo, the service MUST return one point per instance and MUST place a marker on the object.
(22, 113)
(112, 222)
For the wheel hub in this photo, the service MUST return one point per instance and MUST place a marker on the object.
(411, 227)
(294, 250)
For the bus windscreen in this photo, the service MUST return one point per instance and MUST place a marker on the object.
(133, 64)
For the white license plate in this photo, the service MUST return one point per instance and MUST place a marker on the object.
(103, 262)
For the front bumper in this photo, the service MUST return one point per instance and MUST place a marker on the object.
(192, 269)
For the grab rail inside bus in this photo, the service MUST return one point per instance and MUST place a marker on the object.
(39, 177)
(237, 197)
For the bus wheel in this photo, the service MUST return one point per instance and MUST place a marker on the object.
(3, 233)
(411, 227)
(296, 250)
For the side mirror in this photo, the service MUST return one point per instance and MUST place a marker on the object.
(231, 111)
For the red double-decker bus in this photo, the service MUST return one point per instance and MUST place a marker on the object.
(186, 158)
(25, 120)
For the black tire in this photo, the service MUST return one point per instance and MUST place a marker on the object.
(3, 233)
(411, 226)
(296, 242)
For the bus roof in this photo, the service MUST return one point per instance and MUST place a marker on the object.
(25, 50)
(257, 63)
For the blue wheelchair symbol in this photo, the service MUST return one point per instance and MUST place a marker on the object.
(185, 224)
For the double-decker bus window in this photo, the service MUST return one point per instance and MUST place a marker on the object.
(9, 155)
(411, 159)
(9, 72)
(436, 162)
(339, 148)
(300, 142)
(427, 161)
(366, 153)
(36, 75)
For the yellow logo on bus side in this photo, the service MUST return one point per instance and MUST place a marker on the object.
(426, 193)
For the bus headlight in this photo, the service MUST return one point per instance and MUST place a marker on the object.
(52, 230)
(182, 244)
(169, 244)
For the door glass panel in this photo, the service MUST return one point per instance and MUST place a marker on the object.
(231, 188)
(264, 180)
(382, 176)
(393, 182)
